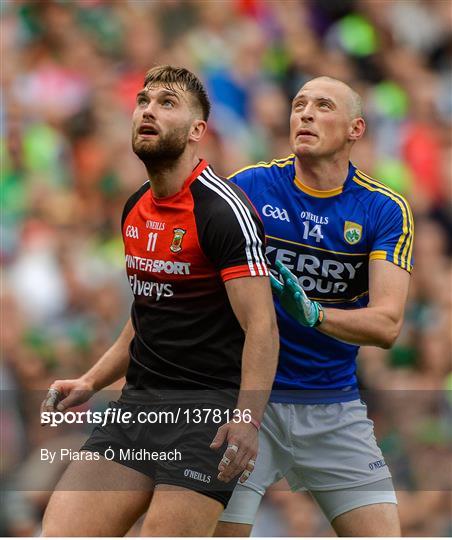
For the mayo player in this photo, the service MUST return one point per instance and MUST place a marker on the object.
(202, 334)
(340, 247)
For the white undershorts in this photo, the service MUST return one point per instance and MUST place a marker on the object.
(327, 449)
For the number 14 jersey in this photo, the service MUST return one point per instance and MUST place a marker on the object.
(326, 238)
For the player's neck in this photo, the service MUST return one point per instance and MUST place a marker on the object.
(322, 174)
(168, 178)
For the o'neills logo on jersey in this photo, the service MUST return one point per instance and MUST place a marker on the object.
(176, 244)
(352, 232)
(195, 475)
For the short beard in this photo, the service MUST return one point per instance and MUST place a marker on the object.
(167, 150)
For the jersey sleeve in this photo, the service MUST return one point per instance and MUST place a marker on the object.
(234, 239)
(394, 232)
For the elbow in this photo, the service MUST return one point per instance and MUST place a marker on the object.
(390, 335)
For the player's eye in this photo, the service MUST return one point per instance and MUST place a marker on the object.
(141, 100)
(168, 103)
(298, 106)
(324, 105)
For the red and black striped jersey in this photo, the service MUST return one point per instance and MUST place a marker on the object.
(179, 251)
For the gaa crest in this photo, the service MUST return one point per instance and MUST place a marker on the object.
(352, 232)
(176, 244)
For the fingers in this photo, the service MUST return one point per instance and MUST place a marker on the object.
(228, 463)
(51, 400)
(286, 274)
(248, 470)
(235, 461)
(242, 447)
(64, 394)
(276, 285)
(219, 438)
(229, 456)
(298, 299)
(74, 398)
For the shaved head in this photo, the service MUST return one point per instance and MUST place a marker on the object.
(326, 119)
(355, 104)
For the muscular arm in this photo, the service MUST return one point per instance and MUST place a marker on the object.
(380, 322)
(251, 300)
(113, 363)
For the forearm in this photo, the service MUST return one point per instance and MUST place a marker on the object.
(365, 326)
(113, 364)
(259, 361)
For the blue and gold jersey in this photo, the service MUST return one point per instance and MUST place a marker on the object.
(326, 238)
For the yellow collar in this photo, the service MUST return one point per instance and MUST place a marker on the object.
(322, 193)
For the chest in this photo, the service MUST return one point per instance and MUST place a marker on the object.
(335, 223)
(325, 242)
(161, 242)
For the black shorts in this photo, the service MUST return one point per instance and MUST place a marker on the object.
(168, 443)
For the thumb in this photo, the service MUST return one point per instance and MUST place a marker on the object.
(75, 397)
(219, 438)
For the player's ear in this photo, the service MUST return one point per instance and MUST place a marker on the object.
(356, 129)
(197, 130)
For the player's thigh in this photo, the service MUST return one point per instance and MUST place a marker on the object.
(372, 520)
(177, 511)
(369, 510)
(232, 530)
(97, 498)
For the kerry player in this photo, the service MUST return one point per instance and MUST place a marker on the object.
(341, 243)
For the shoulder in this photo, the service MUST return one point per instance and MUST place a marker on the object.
(262, 172)
(217, 195)
(380, 199)
(133, 199)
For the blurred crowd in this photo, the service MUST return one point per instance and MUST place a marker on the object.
(69, 75)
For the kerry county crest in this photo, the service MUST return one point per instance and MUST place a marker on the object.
(352, 232)
(176, 244)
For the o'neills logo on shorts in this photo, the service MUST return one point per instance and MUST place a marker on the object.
(195, 475)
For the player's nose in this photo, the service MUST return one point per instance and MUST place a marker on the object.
(150, 111)
(308, 113)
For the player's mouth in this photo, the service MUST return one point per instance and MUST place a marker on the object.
(147, 131)
(305, 133)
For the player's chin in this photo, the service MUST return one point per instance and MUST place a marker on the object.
(142, 146)
(305, 150)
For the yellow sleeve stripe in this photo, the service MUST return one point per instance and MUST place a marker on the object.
(408, 248)
(267, 164)
(377, 254)
(407, 229)
(411, 241)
